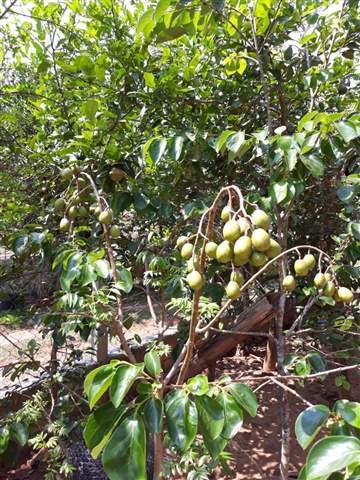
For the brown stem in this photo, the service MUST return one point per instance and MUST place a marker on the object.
(158, 450)
(117, 323)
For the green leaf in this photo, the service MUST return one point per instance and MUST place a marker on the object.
(314, 164)
(234, 142)
(124, 280)
(87, 275)
(234, 417)
(182, 419)
(279, 191)
(349, 411)
(20, 245)
(346, 193)
(215, 446)
(97, 382)
(90, 108)
(121, 201)
(68, 276)
(153, 414)
(19, 432)
(146, 23)
(285, 142)
(124, 456)
(99, 426)
(235, 64)
(348, 130)
(309, 422)
(244, 397)
(306, 118)
(4, 439)
(149, 80)
(291, 158)
(176, 147)
(122, 381)
(316, 361)
(220, 141)
(152, 363)
(102, 268)
(211, 416)
(198, 385)
(330, 455)
(157, 149)
(355, 230)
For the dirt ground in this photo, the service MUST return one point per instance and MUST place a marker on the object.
(256, 449)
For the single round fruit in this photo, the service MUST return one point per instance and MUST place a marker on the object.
(64, 224)
(195, 280)
(67, 174)
(97, 211)
(224, 252)
(83, 211)
(116, 174)
(192, 264)
(81, 182)
(76, 201)
(345, 295)
(301, 267)
(239, 261)
(232, 290)
(310, 261)
(244, 225)
(73, 212)
(258, 259)
(260, 219)
(231, 230)
(60, 204)
(289, 283)
(260, 240)
(243, 247)
(115, 231)
(180, 242)
(226, 213)
(320, 280)
(106, 217)
(274, 250)
(328, 277)
(237, 277)
(187, 250)
(210, 249)
(329, 289)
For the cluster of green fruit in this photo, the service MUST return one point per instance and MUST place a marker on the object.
(75, 209)
(322, 281)
(245, 240)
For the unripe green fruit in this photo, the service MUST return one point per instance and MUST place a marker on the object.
(310, 261)
(115, 231)
(226, 213)
(187, 250)
(274, 250)
(231, 230)
(210, 249)
(180, 242)
(76, 201)
(106, 217)
(328, 277)
(260, 240)
(345, 295)
(60, 204)
(258, 259)
(97, 211)
(81, 182)
(232, 290)
(83, 211)
(239, 261)
(260, 219)
(329, 289)
(64, 224)
(224, 252)
(195, 280)
(67, 174)
(301, 268)
(243, 247)
(237, 277)
(289, 283)
(116, 174)
(244, 225)
(320, 280)
(73, 212)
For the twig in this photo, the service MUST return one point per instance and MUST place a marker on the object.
(293, 392)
